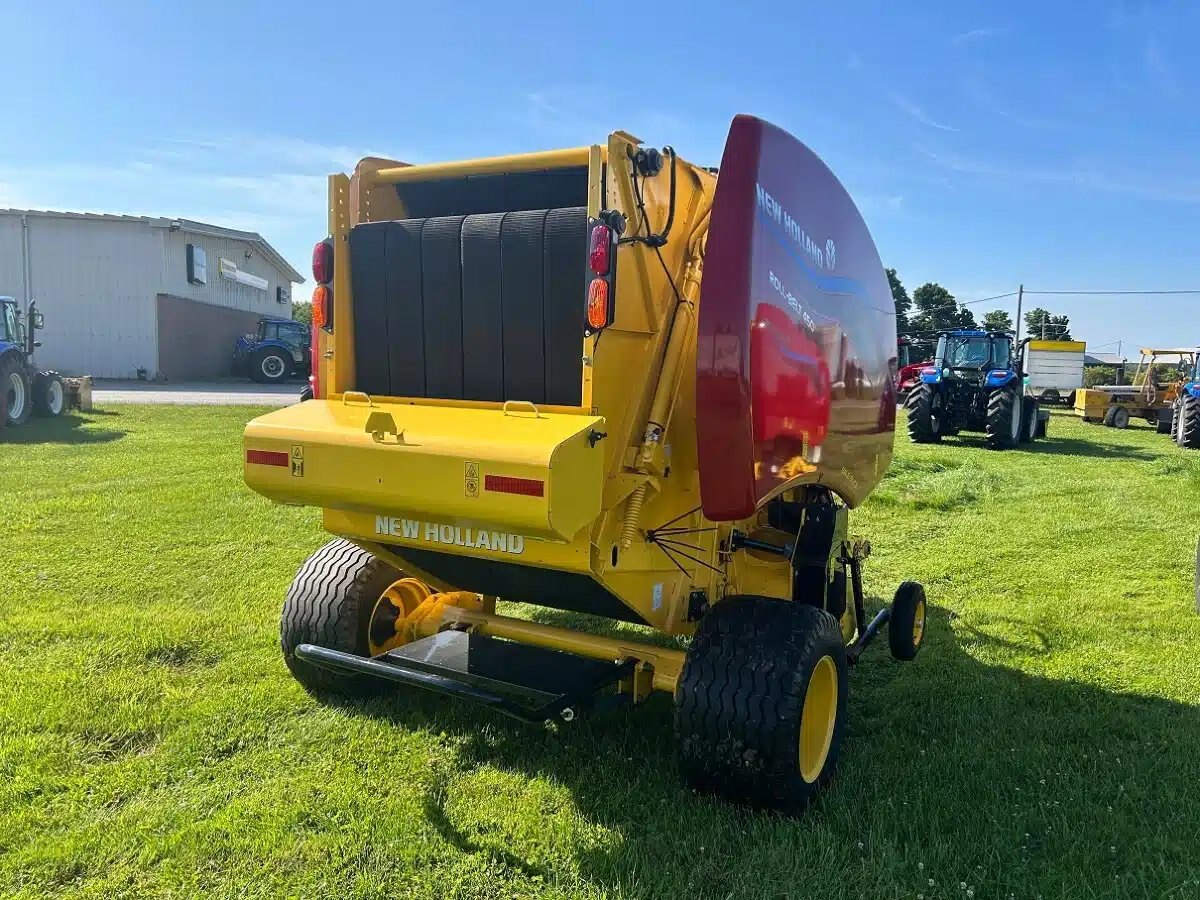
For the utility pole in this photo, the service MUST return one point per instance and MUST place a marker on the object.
(1020, 296)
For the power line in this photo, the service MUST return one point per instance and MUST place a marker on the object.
(1115, 293)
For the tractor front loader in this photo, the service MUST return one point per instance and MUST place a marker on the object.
(974, 384)
(608, 381)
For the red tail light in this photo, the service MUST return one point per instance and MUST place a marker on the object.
(322, 262)
(599, 249)
(929, 370)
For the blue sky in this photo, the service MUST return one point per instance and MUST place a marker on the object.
(987, 144)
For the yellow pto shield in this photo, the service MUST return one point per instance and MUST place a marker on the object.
(518, 469)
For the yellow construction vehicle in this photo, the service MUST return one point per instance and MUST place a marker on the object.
(601, 380)
(1150, 395)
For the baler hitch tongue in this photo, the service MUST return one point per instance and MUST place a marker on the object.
(523, 681)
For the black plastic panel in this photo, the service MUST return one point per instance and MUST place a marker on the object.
(441, 278)
(563, 276)
(475, 194)
(483, 327)
(405, 311)
(521, 251)
(481, 307)
(368, 247)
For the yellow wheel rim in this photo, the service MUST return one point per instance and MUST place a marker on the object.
(919, 623)
(817, 718)
(395, 604)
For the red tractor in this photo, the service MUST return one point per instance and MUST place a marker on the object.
(908, 373)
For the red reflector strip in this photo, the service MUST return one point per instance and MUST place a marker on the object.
(506, 484)
(267, 457)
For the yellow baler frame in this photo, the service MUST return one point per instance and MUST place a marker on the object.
(646, 372)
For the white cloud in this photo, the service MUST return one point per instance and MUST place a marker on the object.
(919, 114)
(978, 34)
(270, 184)
(1157, 186)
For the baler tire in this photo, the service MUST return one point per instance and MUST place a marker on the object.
(906, 626)
(1120, 418)
(923, 426)
(15, 379)
(1003, 405)
(329, 604)
(1108, 416)
(1189, 423)
(49, 396)
(742, 696)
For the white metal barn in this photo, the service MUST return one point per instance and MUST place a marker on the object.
(124, 295)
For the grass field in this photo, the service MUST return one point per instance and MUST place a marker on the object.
(1045, 744)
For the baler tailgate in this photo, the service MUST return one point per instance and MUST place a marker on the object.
(534, 473)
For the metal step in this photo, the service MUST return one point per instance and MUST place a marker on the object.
(530, 683)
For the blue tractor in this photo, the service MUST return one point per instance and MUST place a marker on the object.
(1185, 418)
(975, 383)
(25, 389)
(277, 350)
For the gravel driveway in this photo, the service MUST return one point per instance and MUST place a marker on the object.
(231, 393)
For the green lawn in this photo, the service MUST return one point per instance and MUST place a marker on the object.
(1046, 743)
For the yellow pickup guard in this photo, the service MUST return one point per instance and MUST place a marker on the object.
(525, 471)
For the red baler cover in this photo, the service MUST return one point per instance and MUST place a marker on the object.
(796, 348)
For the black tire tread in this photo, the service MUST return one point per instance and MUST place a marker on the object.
(8, 365)
(900, 625)
(329, 604)
(256, 372)
(999, 418)
(918, 408)
(740, 695)
(41, 405)
(1189, 430)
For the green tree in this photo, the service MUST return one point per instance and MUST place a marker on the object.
(936, 310)
(997, 320)
(1041, 323)
(902, 300)
(302, 311)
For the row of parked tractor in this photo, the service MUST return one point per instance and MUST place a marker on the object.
(976, 381)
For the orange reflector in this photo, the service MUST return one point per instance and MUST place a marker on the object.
(267, 457)
(505, 484)
(320, 306)
(597, 309)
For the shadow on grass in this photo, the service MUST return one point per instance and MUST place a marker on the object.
(1079, 447)
(1056, 445)
(64, 429)
(992, 766)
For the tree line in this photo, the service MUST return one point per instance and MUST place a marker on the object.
(932, 308)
